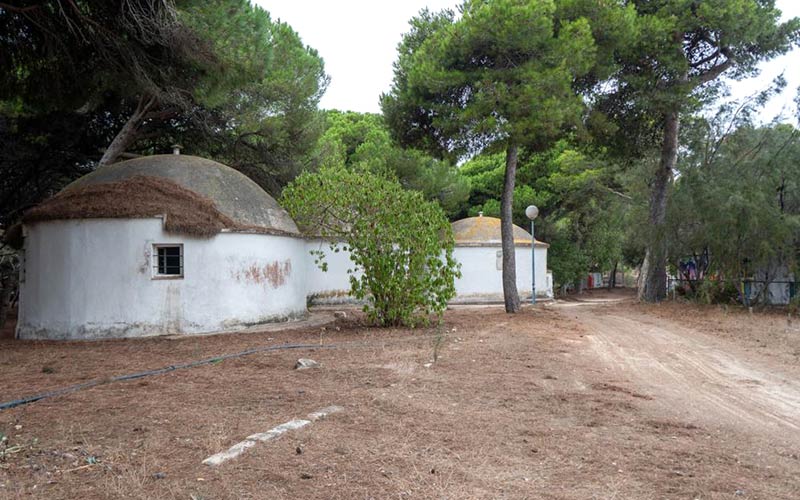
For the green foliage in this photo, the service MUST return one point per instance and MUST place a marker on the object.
(236, 32)
(42, 153)
(362, 141)
(490, 209)
(794, 306)
(738, 197)
(227, 82)
(674, 61)
(271, 121)
(402, 243)
(714, 292)
(565, 258)
(58, 58)
(258, 112)
(581, 215)
(503, 73)
(671, 68)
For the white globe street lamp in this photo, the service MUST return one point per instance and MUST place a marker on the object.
(532, 212)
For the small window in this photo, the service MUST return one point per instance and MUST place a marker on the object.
(168, 261)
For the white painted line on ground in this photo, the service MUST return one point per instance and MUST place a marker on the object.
(277, 431)
(251, 440)
(324, 412)
(232, 452)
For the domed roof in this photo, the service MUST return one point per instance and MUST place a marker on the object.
(233, 193)
(485, 231)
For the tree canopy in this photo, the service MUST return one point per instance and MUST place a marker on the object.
(361, 140)
(581, 205)
(672, 66)
(504, 74)
(87, 84)
(738, 204)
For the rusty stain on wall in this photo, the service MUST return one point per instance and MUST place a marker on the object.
(274, 273)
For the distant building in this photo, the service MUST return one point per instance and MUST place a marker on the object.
(176, 244)
(478, 249)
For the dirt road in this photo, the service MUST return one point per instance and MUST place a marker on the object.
(580, 400)
(691, 374)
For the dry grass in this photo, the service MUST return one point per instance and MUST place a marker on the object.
(770, 332)
(511, 409)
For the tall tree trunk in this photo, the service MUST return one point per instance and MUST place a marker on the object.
(653, 285)
(5, 293)
(510, 295)
(612, 278)
(127, 134)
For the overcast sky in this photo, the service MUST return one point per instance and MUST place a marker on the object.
(358, 41)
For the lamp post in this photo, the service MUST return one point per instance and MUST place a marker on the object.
(532, 212)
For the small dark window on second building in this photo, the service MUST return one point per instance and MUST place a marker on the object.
(169, 260)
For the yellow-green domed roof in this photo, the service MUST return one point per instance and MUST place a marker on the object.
(485, 231)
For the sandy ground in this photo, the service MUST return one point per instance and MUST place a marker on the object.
(597, 398)
(695, 375)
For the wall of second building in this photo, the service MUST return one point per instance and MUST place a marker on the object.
(94, 279)
(481, 268)
(331, 286)
(482, 273)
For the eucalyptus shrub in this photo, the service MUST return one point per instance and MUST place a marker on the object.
(402, 243)
(794, 306)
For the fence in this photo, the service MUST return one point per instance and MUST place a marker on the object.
(749, 292)
(622, 279)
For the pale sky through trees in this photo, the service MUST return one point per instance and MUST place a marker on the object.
(358, 41)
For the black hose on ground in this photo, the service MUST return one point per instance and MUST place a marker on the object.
(132, 376)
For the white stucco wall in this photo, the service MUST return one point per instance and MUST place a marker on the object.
(331, 286)
(91, 279)
(482, 274)
(481, 281)
(94, 279)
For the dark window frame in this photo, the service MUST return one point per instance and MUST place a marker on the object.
(163, 265)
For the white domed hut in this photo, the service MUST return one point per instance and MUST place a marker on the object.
(155, 245)
(478, 249)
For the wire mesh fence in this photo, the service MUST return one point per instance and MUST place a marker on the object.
(746, 291)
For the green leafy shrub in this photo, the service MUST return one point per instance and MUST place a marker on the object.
(716, 292)
(682, 291)
(402, 243)
(794, 306)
